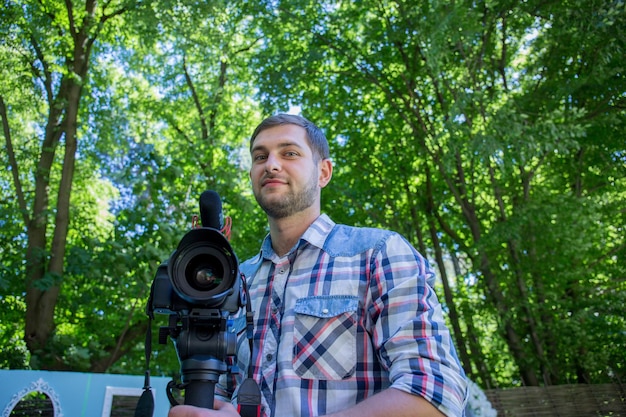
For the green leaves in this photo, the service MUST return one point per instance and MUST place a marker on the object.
(477, 118)
(489, 131)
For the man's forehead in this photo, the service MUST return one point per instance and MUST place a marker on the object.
(281, 136)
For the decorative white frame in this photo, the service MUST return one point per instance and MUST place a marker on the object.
(122, 391)
(37, 386)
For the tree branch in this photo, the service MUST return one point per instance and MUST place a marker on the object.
(13, 161)
(196, 100)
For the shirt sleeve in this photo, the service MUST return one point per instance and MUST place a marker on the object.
(409, 332)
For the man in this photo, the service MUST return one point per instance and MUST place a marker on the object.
(346, 320)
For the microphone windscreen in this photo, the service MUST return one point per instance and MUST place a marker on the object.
(211, 210)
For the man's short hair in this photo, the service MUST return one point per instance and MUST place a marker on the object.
(315, 135)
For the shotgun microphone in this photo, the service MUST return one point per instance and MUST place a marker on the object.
(211, 210)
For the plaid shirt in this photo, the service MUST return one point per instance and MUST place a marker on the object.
(348, 312)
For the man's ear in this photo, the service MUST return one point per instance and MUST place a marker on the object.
(326, 172)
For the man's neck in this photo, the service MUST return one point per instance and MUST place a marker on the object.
(287, 231)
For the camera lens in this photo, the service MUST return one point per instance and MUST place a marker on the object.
(203, 270)
(204, 273)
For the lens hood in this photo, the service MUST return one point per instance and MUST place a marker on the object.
(203, 269)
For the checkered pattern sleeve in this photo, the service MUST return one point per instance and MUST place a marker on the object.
(408, 329)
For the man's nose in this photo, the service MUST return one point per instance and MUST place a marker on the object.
(272, 164)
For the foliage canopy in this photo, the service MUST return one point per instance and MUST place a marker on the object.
(489, 133)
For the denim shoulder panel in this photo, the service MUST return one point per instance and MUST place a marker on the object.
(348, 241)
(249, 267)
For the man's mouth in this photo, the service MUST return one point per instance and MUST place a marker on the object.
(272, 182)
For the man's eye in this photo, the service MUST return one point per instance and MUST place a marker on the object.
(291, 153)
(260, 157)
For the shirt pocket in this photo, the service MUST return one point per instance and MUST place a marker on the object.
(325, 330)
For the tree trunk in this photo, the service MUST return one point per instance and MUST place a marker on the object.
(452, 312)
(459, 192)
(45, 269)
(41, 294)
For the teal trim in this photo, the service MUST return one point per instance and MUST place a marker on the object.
(85, 412)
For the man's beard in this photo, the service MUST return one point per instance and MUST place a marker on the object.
(292, 203)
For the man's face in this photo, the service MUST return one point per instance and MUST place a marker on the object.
(285, 178)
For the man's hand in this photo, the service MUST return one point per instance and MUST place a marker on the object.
(222, 409)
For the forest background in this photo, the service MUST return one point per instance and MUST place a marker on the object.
(490, 133)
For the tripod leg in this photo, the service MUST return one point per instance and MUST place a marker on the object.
(200, 394)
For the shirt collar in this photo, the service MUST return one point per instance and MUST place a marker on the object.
(316, 235)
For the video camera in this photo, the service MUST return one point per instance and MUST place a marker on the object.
(199, 287)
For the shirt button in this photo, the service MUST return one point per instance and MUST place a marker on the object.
(268, 357)
(325, 311)
(281, 271)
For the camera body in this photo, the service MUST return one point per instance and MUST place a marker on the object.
(199, 287)
(203, 273)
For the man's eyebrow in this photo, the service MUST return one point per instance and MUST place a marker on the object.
(280, 145)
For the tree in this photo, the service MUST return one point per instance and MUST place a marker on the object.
(141, 143)
(489, 133)
(460, 120)
(57, 65)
